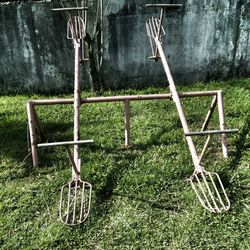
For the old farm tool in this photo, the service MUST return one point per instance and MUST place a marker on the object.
(76, 195)
(75, 199)
(207, 185)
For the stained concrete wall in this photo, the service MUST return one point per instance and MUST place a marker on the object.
(204, 40)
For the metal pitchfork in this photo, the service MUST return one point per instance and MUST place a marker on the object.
(207, 185)
(75, 197)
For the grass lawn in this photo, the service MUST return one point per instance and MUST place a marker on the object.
(141, 199)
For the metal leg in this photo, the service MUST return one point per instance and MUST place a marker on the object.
(127, 123)
(222, 124)
(32, 131)
(38, 124)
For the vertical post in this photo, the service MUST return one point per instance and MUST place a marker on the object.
(127, 122)
(77, 104)
(222, 123)
(84, 3)
(32, 132)
(38, 124)
(102, 39)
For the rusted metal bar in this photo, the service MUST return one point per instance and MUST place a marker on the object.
(71, 158)
(178, 104)
(127, 122)
(38, 124)
(210, 132)
(32, 132)
(77, 104)
(109, 99)
(164, 5)
(209, 114)
(70, 9)
(222, 124)
(204, 149)
(205, 125)
(64, 143)
(123, 98)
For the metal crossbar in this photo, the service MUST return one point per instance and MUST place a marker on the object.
(70, 9)
(164, 5)
(64, 143)
(211, 132)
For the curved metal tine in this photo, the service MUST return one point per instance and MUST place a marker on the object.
(75, 199)
(160, 29)
(75, 28)
(64, 213)
(149, 28)
(82, 203)
(226, 207)
(154, 27)
(213, 193)
(78, 202)
(208, 206)
(68, 204)
(149, 33)
(85, 200)
(210, 192)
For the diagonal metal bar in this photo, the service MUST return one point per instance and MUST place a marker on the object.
(209, 114)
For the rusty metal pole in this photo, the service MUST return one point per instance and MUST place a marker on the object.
(32, 132)
(222, 124)
(127, 122)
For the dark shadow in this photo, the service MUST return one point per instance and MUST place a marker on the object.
(239, 192)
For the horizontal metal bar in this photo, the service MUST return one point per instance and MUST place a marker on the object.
(72, 8)
(210, 132)
(64, 143)
(122, 98)
(154, 57)
(164, 5)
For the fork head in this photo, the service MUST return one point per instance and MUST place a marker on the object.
(76, 28)
(154, 28)
(210, 191)
(75, 202)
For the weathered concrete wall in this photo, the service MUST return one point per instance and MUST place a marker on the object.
(205, 40)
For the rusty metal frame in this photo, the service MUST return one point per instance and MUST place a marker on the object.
(35, 124)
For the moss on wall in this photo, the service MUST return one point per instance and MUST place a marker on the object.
(205, 40)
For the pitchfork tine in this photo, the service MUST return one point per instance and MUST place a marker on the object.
(154, 27)
(82, 203)
(217, 191)
(203, 192)
(75, 197)
(68, 204)
(149, 32)
(209, 191)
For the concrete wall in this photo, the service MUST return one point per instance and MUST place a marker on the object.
(204, 40)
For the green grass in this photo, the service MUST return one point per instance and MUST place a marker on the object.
(141, 199)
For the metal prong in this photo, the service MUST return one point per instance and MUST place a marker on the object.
(208, 193)
(78, 200)
(82, 202)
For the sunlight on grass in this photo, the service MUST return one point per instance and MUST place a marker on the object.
(141, 197)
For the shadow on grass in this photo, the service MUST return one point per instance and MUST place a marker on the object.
(241, 145)
(239, 190)
(15, 145)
